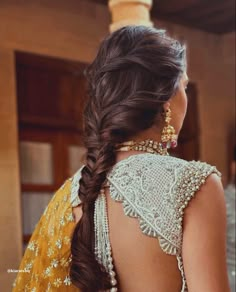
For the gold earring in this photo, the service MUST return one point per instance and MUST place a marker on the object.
(168, 135)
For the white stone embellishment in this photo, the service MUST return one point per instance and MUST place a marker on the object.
(28, 266)
(47, 272)
(31, 245)
(59, 243)
(67, 281)
(54, 263)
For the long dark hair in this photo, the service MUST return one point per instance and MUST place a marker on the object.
(135, 71)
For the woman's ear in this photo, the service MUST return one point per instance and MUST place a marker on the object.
(166, 105)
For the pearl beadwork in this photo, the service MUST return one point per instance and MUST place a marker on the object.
(102, 243)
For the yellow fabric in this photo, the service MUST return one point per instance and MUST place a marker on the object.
(47, 257)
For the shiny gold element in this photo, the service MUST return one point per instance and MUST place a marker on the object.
(168, 135)
(148, 145)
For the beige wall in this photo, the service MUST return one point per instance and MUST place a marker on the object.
(10, 219)
(72, 30)
(211, 65)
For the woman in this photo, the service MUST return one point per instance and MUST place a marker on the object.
(158, 238)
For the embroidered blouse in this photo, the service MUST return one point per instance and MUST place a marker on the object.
(154, 189)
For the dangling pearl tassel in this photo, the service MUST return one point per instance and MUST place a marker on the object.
(102, 243)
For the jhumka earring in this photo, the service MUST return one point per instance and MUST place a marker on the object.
(168, 136)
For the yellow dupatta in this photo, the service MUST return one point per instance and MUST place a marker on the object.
(45, 264)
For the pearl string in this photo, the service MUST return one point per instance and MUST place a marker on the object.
(103, 251)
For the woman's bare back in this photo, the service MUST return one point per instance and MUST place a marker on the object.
(140, 263)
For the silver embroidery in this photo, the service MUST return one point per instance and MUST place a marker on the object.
(75, 200)
(143, 184)
(67, 281)
(156, 189)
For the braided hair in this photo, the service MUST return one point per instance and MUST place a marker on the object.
(135, 71)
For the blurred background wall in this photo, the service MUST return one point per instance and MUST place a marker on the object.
(64, 35)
